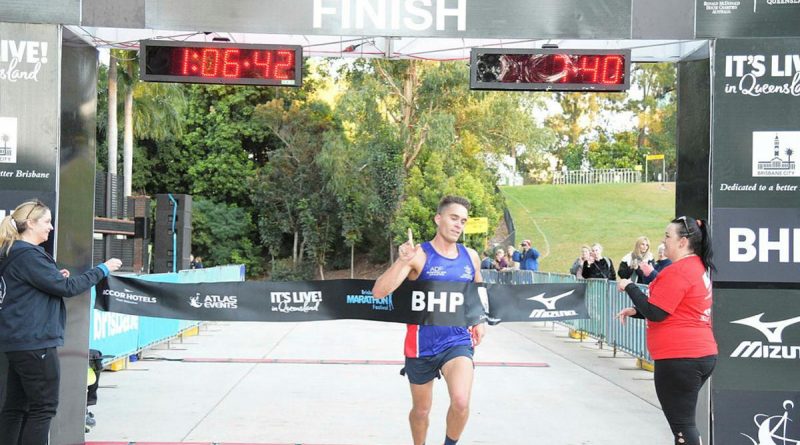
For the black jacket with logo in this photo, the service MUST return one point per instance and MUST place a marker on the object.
(32, 310)
(603, 268)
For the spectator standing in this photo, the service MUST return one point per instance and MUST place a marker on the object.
(662, 261)
(679, 334)
(528, 258)
(32, 321)
(577, 266)
(598, 266)
(631, 265)
(512, 264)
(500, 264)
(486, 262)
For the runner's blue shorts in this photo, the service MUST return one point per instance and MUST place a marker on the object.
(424, 369)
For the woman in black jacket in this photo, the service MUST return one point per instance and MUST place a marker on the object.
(32, 319)
(598, 266)
(637, 265)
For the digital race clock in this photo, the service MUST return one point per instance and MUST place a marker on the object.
(221, 63)
(549, 69)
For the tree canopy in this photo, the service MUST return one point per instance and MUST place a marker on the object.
(289, 183)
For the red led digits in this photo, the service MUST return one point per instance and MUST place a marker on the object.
(589, 67)
(264, 64)
(209, 62)
(204, 62)
(549, 69)
(612, 71)
(285, 64)
(231, 67)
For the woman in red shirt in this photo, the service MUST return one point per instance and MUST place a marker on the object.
(678, 313)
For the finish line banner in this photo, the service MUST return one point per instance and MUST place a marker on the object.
(441, 303)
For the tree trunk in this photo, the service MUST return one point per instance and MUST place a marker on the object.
(640, 139)
(294, 248)
(111, 136)
(127, 143)
(352, 260)
(321, 272)
(301, 252)
(391, 251)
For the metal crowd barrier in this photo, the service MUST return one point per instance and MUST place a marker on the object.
(603, 301)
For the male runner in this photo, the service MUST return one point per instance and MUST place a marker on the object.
(432, 351)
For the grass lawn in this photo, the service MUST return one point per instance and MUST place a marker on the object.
(561, 218)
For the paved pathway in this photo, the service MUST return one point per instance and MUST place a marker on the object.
(273, 388)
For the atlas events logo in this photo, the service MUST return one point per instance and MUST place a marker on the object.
(127, 296)
(290, 301)
(378, 304)
(550, 305)
(774, 430)
(214, 301)
(773, 151)
(773, 331)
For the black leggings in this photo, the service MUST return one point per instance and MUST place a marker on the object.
(678, 381)
(31, 397)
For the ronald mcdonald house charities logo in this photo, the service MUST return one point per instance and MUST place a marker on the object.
(773, 152)
(8, 140)
(775, 429)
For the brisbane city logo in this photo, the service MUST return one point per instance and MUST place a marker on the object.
(773, 151)
(8, 140)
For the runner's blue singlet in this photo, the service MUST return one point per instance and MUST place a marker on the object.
(423, 340)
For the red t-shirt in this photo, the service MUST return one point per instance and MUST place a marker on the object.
(683, 290)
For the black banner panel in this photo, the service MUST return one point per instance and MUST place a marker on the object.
(417, 302)
(755, 178)
(750, 18)
(755, 225)
(29, 112)
(757, 245)
(758, 333)
(757, 417)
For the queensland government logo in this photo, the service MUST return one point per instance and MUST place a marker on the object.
(773, 332)
(775, 429)
(291, 301)
(773, 151)
(378, 304)
(214, 301)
